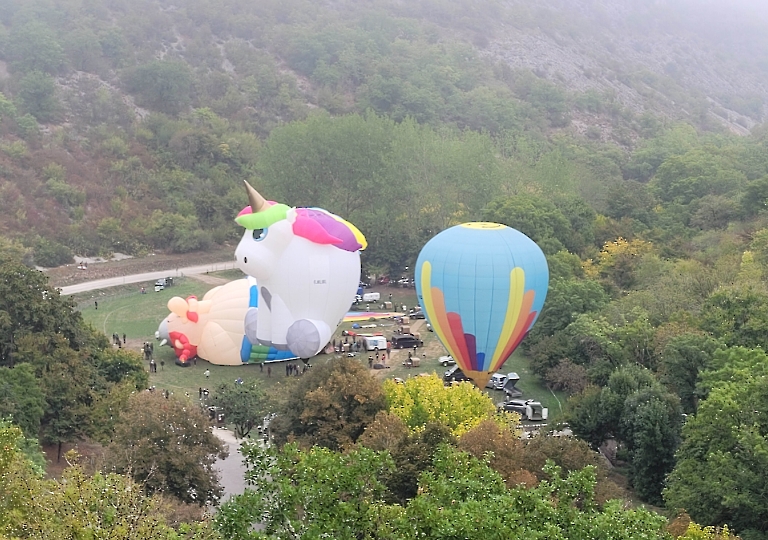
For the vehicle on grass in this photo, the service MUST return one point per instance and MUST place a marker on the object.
(454, 375)
(509, 387)
(446, 361)
(528, 409)
(496, 382)
(371, 297)
(416, 313)
(162, 283)
(373, 343)
(405, 341)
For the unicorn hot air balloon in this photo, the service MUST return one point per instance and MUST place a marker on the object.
(482, 286)
(307, 265)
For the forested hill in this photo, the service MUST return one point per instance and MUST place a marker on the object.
(128, 125)
(626, 138)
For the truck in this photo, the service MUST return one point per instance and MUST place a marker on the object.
(373, 343)
(371, 297)
(528, 409)
(162, 283)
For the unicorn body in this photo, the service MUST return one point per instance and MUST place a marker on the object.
(306, 262)
(213, 328)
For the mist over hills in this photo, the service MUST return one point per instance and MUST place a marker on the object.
(129, 125)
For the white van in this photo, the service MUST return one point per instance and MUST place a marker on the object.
(375, 342)
(371, 297)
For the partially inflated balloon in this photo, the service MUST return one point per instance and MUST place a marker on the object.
(482, 286)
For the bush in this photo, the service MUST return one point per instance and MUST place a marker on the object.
(49, 253)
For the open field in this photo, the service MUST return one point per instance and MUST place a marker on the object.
(124, 310)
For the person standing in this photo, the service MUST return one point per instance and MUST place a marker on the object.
(207, 373)
(269, 371)
(124, 338)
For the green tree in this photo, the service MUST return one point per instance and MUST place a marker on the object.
(29, 305)
(330, 406)
(755, 197)
(51, 254)
(38, 92)
(243, 405)
(651, 422)
(162, 85)
(595, 414)
(12, 251)
(412, 455)
(683, 358)
(567, 298)
(21, 398)
(537, 218)
(78, 505)
(167, 446)
(70, 389)
(699, 172)
(720, 476)
(33, 47)
(737, 316)
(335, 163)
(297, 494)
(302, 494)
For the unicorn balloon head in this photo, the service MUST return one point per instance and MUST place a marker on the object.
(307, 265)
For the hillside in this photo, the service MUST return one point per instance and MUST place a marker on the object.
(128, 126)
(703, 62)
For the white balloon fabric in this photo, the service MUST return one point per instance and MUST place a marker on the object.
(215, 328)
(307, 265)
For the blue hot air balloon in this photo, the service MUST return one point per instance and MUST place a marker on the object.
(482, 286)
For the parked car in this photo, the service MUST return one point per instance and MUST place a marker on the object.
(446, 361)
(405, 341)
(496, 382)
(454, 375)
(527, 409)
(416, 314)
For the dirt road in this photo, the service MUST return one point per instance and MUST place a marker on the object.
(147, 276)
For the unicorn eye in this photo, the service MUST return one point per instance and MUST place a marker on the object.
(259, 234)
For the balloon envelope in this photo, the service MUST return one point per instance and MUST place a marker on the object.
(482, 286)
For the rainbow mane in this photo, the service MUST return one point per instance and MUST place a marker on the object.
(314, 224)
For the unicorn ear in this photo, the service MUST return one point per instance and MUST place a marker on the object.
(291, 216)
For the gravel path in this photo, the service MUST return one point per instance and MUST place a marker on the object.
(231, 469)
(147, 276)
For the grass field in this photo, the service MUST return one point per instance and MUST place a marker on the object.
(124, 310)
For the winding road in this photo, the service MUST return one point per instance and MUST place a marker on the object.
(147, 276)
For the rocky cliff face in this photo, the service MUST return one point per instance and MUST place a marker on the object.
(682, 59)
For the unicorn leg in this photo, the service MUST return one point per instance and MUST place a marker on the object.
(306, 337)
(251, 324)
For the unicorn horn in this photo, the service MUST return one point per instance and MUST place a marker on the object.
(256, 200)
